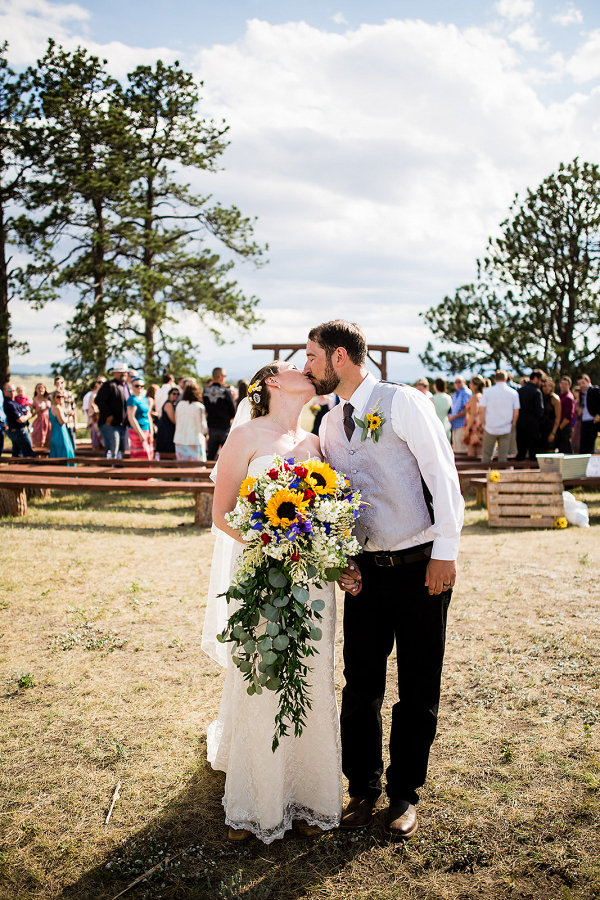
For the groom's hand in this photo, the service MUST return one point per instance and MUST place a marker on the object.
(351, 580)
(440, 575)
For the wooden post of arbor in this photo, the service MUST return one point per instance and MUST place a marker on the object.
(381, 364)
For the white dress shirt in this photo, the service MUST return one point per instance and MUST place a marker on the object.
(415, 421)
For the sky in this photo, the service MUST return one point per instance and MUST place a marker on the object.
(379, 144)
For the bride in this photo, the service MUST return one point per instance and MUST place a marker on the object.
(300, 785)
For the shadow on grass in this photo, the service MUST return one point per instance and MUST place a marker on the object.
(209, 865)
(182, 528)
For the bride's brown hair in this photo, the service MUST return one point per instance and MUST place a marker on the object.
(261, 407)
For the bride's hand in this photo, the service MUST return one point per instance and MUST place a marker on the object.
(351, 580)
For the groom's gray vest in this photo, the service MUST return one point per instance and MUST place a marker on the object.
(386, 473)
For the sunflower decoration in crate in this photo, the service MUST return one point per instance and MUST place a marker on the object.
(525, 499)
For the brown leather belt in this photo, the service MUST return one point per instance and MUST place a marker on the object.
(402, 557)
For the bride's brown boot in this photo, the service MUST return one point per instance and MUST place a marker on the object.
(237, 835)
(305, 830)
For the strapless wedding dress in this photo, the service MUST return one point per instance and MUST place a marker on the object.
(266, 791)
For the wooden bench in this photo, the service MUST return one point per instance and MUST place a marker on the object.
(197, 473)
(14, 485)
(102, 461)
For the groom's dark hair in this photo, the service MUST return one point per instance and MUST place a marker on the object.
(339, 333)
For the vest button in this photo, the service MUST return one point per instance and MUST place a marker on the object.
(354, 471)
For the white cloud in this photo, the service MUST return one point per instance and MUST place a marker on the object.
(378, 162)
(339, 19)
(27, 25)
(585, 62)
(515, 9)
(525, 36)
(570, 16)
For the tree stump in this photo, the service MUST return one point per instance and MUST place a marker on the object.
(13, 502)
(203, 510)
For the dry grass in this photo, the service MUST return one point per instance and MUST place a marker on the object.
(511, 805)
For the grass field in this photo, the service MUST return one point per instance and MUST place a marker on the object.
(103, 680)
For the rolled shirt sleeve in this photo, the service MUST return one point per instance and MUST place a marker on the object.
(415, 421)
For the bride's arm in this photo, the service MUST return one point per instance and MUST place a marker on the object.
(231, 471)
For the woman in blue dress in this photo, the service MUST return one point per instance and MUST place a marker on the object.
(61, 444)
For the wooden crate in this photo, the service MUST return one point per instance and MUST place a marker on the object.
(525, 499)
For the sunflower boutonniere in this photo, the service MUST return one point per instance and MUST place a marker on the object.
(371, 423)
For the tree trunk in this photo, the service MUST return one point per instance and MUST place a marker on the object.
(4, 315)
(99, 313)
(203, 510)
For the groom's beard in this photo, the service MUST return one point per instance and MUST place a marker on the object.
(329, 382)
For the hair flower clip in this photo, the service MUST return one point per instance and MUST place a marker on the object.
(254, 391)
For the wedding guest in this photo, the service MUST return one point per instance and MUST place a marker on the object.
(567, 416)
(530, 416)
(576, 435)
(320, 406)
(141, 429)
(112, 411)
(17, 417)
(242, 389)
(473, 432)
(550, 418)
(590, 413)
(443, 404)
(498, 411)
(40, 408)
(511, 383)
(90, 411)
(151, 396)
(168, 382)
(61, 445)
(220, 410)
(3, 425)
(190, 425)
(460, 398)
(70, 408)
(22, 398)
(423, 385)
(165, 429)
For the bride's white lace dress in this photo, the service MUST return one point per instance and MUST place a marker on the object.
(266, 791)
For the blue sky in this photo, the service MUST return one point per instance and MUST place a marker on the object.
(378, 143)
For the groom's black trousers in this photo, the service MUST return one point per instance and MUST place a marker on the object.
(393, 604)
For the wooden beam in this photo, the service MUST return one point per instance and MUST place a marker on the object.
(383, 349)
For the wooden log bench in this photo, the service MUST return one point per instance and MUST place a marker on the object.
(14, 486)
(197, 473)
(524, 499)
(102, 461)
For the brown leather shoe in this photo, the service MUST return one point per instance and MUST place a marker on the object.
(401, 820)
(359, 813)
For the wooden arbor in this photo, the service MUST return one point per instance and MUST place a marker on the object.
(383, 349)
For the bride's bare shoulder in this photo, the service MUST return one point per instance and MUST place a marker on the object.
(315, 445)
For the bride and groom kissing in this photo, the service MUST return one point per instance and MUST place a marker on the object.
(397, 590)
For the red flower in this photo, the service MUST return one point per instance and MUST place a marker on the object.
(286, 467)
(301, 471)
(295, 556)
(252, 497)
(309, 494)
(274, 474)
(265, 538)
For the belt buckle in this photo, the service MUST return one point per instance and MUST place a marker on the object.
(384, 559)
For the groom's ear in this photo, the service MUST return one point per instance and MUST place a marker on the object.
(339, 357)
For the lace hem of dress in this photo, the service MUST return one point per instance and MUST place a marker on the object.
(291, 812)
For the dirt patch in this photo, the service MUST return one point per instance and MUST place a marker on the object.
(103, 680)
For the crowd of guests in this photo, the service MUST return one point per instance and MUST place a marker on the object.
(122, 414)
(519, 420)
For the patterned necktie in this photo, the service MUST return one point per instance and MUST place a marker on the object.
(349, 423)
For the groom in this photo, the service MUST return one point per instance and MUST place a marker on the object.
(400, 587)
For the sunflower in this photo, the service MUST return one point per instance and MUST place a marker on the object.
(560, 522)
(374, 421)
(284, 506)
(494, 476)
(247, 486)
(321, 477)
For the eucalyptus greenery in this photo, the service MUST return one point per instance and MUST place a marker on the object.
(273, 632)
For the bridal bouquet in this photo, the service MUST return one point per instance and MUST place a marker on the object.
(296, 519)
